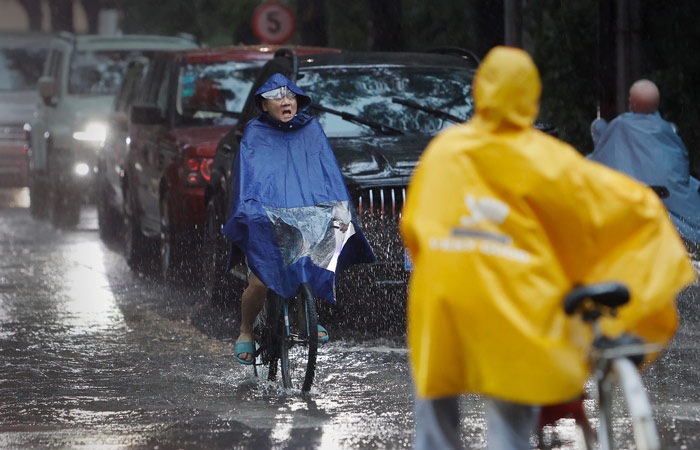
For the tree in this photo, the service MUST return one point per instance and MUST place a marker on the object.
(387, 25)
(33, 10)
(311, 22)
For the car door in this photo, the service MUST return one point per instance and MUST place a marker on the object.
(144, 152)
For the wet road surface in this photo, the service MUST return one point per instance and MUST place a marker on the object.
(93, 355)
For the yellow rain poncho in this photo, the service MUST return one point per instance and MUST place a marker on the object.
(501, 221)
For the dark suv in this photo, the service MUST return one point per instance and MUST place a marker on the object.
(379, 110)
(189, 100)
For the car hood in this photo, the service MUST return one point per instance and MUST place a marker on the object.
(378, 160)
(17, 107)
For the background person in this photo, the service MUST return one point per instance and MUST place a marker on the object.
(291, 213)
(502, 221)
(643, 145)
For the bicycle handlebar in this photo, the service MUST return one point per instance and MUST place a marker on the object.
(609, 294)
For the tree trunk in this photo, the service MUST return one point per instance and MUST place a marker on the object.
(386, 19)
(311, 15)
(33, 10)
(61, 15)
(92, 11)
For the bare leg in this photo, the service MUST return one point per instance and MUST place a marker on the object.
(252, 302)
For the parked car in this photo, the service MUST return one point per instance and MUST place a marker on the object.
(22, 57)
(189, 101)
(111, 158)
(379, 110)
(80, 77)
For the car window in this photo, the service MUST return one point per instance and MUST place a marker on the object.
(99, 72)
(214, 92)
(130, 87)
(367, 92)
(20, 68)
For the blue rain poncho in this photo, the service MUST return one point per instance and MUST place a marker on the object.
(291, 213)
(646, 147)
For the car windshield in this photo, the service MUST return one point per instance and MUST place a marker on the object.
(367, 92)
(20, 68)
(99, 72)
(214, 93)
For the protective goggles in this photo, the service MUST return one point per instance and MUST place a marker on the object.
(278, 93)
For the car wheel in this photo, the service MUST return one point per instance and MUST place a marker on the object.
(38, 198)
(64, 207)
(108, 218)
(171, 254)
(217, 283)
(138, 249)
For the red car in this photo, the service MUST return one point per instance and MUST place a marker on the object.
(188, 102)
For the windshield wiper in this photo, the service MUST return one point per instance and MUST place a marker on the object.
(435, 112)
(384, 129)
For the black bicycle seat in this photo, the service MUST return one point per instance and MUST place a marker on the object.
(611, 295)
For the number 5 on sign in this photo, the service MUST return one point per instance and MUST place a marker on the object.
(273, 23)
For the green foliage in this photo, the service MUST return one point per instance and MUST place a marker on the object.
(564, 35)
(671, 44)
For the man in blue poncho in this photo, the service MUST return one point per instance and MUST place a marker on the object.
(291, 213)
(643, 145)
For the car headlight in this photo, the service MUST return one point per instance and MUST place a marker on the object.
(94, 132)
(81, 169)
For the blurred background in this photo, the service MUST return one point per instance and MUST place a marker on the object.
(588, 51)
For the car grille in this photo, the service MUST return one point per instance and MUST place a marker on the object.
(379, 211)
(382, 201)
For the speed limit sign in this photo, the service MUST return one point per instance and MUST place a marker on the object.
(273, 22)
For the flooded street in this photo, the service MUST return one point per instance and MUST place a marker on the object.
(94, 355)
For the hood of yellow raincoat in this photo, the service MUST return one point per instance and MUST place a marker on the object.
(501, 226)
(506, 90)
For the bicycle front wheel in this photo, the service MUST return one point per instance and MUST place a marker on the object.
(299, 345)
(624, 373)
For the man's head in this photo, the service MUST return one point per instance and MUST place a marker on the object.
(644, 97)
(279, 103)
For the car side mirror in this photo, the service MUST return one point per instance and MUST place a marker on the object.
(47, 90)
(147, 115)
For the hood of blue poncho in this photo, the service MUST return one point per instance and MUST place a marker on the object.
(278, 80)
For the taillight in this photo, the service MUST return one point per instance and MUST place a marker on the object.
(198, 170)
(193, 164)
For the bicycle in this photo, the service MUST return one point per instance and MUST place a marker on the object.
(286, 330)
(614, 362)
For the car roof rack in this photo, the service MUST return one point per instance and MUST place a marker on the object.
(457, 51)
(286, 52)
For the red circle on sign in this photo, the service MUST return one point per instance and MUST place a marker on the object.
(273, 22)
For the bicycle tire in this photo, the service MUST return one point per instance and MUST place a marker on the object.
(625, 374)
(299, 346)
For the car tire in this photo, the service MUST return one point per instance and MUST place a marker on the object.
(218, 284)
(64, 207)
(109, 220)
(139, 251)
(171, 248)
(38, 198)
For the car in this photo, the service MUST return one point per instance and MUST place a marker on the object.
(80, 77)
(189, 101)
(22, 57)
(111, 158)
(379, 111)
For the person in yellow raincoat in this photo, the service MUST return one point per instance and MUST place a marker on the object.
(502, 221)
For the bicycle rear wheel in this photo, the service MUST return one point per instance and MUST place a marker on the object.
(624, 373)
(299, 344)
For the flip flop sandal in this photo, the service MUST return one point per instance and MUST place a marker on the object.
(325, 338)
(243, 347)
